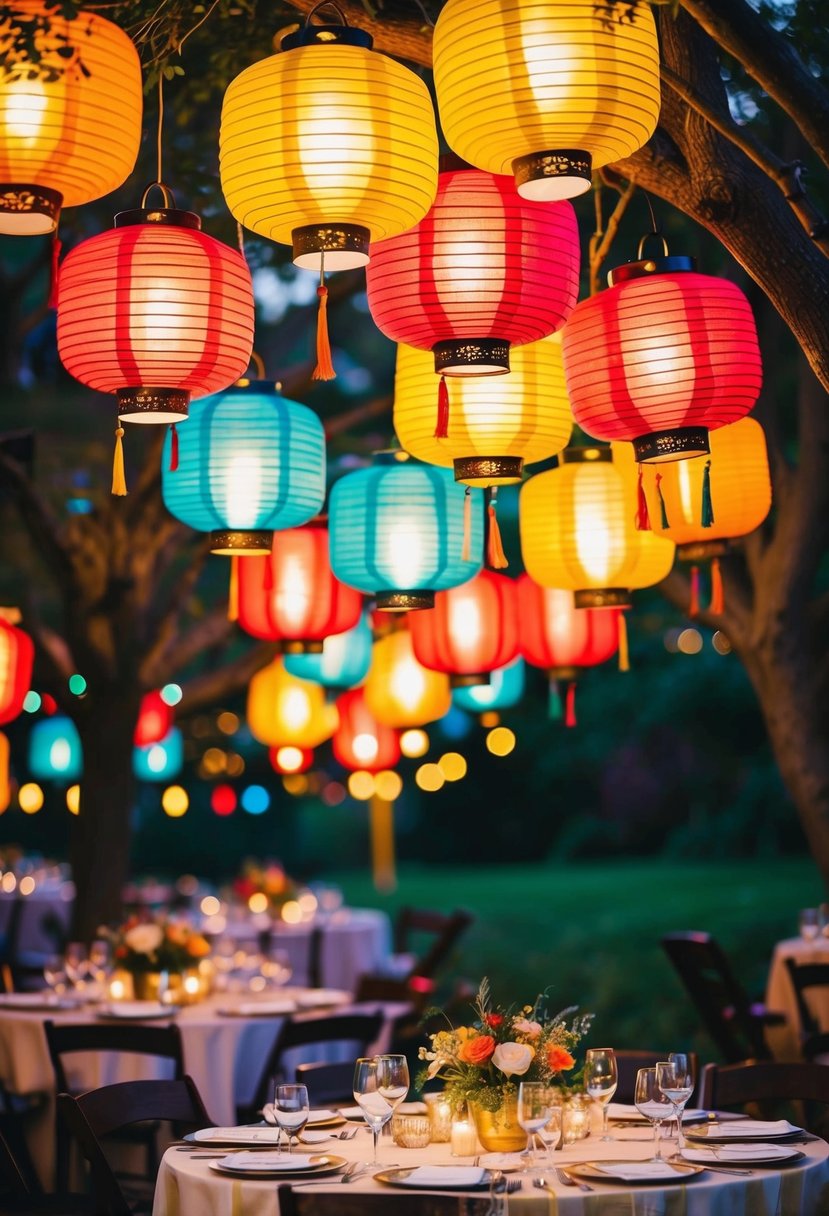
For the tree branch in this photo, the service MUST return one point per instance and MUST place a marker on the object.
(39, 521)
(212, 630)
(404, 37)
(205, 690)
(601, 241)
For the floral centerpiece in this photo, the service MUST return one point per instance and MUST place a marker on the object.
(145, 947)
(267, 879)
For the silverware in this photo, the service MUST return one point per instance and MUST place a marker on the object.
(566, 1180)
(351, 1173)
(348, 1133)
(513, 1185)
(543, 1185)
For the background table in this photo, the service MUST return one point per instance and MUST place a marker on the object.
(783, 1040)
(49, 904)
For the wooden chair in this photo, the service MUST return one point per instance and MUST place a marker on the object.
(93, 1116)
(806, 976)
(327, 1084)
(18, 1196)
(424, 939)
(735, 1023)
(307, 1203)
(766, 1084)
(628, 1064)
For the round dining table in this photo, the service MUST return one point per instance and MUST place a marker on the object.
(784, 1040)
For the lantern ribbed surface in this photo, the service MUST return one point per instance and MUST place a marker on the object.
(157, 306)
(532, 78)
(505, 689)
(658, 353)
(16, 658)
(578, 532)
(75, 136)
(400, 691)
(399, 527)
(328, 135)
(556, 634)
(155, 719)
(360, 742)
(343, 662)
(525, 415)
(471, 630)
(249, 460)
(283, 711)
(291, 596)
(484, 264)
(55, 752)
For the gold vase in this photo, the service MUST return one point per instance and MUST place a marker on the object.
(499, 1130)
(146, 985)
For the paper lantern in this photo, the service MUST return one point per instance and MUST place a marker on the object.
(327, 145)
(161, 760)
(661, 358)
(292, 597)
(544, 89)
(559, 637)
(505, 689)
(70, 124)
(494, 426)
(155, 718)
(250, 461)
(286, 712)
(55, 752)
(401, 531)
(484, 271)
(471, 630)
(17, 654)
(400, 691)
(578, 531)
(155, 311)
(343, 662)
(360, 742)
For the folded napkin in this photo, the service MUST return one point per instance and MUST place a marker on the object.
(638, 1171)
(444, 1175)
(322, 1116)
(271, 1161)
(246, 1135)
(753, 1129)
(253, 1009)
(736, 1153)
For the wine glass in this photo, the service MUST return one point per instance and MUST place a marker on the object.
(534, 1102)
(393, 1079)
(77, 964)
(809, 924)
(375, 1107)
(550, 1134)
(291, 1109)
(600, 1080)
(653, 1104)
(54, 972)
(676, 1081)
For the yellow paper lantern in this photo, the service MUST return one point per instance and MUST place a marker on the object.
(70, 125)
(496, 424)
(546, 89)
(578, 531)
(328, 145)
(284, 711)
(399, 690)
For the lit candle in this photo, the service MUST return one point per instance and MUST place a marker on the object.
(192, 985)
(117, 990)
(464, 1138)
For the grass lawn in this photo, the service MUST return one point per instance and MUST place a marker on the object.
(590, 932)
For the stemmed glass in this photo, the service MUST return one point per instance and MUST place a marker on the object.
(676, 1081)
(77, 964)
(291, 1109)
(550, 1134)
(653, 1104)
(809, 924)
(393, 1079)
(534, 1109)
(600, 1080)
(54, 972)
(376, 1108)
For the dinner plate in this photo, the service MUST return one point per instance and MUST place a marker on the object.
(744, 1132)
(326, 1164)
(353, 1112)
(400, 1177)
(137, 1011)
(590, 1172)
(235, 1137)
(766, 1154)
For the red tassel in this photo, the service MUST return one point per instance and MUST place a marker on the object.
(173, 449)
(466, 545)
(643, 521)
(496, 559)
(54, 273)
(325, 368)
(624, 655)
(693, 606)
(442, 424)
(570, 705)
(717, 605)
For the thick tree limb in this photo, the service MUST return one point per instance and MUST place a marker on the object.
(212, 630)
(39, 521)
(206, 690)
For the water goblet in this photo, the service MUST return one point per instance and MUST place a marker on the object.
(291, 1109)
(809, 923)
(653, 1104)
(601, 1078)
(393, 1078)
(550, 1134)
(534, 1102)
(77, 964)
(375, 1107)
(54, 972)
(676, 1081)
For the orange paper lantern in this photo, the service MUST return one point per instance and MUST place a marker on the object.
(360, 742)
(400, 691)
(472, 629)
(285, 711)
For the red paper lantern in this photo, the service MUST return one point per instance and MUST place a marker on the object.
(155, 717)
(360, 741)
(471, 630)
(292, 597)
(16, 658)
(288, 760)
(558, 636)
(486, 269)
(662, 357)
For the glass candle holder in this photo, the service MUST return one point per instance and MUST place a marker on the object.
(411, 1131)
(440, 1117)
(576, 1119)
(463, 1137)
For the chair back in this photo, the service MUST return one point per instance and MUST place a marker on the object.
(765, 1083)
(628, 1064)
(444, 929)
(805, 976)
(327, 1084)
(306, 1203)
(65, 1039)
(12, 1179)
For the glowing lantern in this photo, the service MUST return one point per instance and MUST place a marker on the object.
(402, 531)
(661, 358)
(55, 750)
(471, 630)
(286, 712)
(343, 662)
(292, 597)
(494, 426)
(485, 270)
(250, 461)
(290, 759)
(400, 691)
(505, 689)
(360, 742)
(159, 761)
(155, 717)
(5, 782)
(70, 124)
(545, 89)
(16, 659)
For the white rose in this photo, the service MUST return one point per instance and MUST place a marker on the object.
(513, 1059)
(531, 1029)
(144, 939)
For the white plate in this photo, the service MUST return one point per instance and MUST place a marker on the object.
(136, 1011)
(322, 997)
(352, 1112)
(260, 1168)
(35, 1001)
(257, 1009)
(635, 1173)
(741, 1154)
(745, 1131)
(437, 1178)
(241, 1136)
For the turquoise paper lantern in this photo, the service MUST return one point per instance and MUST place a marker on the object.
(245, 463)
(344, 661)
(55, 752)
(401, 531)
(505, 688)
(159, 761)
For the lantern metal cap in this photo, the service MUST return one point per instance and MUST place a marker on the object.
(553, 175)
(603, 597)
(331, 246)
(300, 646)
(404, 601)
(660, 447)
(700, 551)
(562, 673)
(170, 216)
(244, 385)
(471, 357)
(489, 470)
(27, 209)
(586, 455)
(235, 543)
(478, 679)
(647, 267)
(153, 406)
(322, 35)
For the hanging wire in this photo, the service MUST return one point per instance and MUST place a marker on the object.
(240, 238)
(426, 16)
(654, 226)
(159, 177)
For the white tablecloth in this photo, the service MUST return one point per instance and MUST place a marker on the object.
(783, 1040)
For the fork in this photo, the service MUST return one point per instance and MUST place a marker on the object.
(566, 1180)
(348, 1133)
(513, 1185)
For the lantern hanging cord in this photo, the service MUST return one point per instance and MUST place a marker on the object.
(159, 177)
(655, 230)
(326, 4)
(425, 15)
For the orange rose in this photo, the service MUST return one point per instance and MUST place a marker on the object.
(197, 946)
(559, 1058)
(477, 1050)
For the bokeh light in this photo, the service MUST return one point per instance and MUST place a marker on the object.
(689, 641)
(77, 684)
(453, 766)
(73, 799)
(295, 784)
(361, 785)
(721, 643)
(227, 722)
(291, 912)
(500, 741)
(258, 902)
(333, 793)
(171, 694)
(223, 800)
(175, 801)
(388, 785)
(30, 798)
(27, 885)
(255, 799)
(414, 743)
(31, 701)
(210, 905)
(430, 778)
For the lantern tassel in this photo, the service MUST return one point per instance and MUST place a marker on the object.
(693, 605)
(325, 368)
(662, 510)
(643, 521)
(442, 424)
(624, 654)
(467, 526)
(54, 272)
(173, 448)
(555, 710)
(707, 505)
(717, 605)
(496, 559)
(119, 480)
(570, 710)
(233, 590)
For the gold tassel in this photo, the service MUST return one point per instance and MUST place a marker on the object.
(119, 481)
(467, 526)
(495, 557)
(325, 368)
(233, 590)
(717, 605)
(624, 655)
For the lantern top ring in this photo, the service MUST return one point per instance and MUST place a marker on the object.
(586, 455)
(659, 236)
(314, 35)
(169, 215)
(671, 264)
